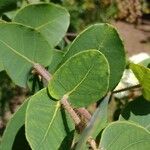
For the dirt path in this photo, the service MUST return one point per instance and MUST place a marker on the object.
(136, 39)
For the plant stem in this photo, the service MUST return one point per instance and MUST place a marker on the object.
(46, 75)
(67, 40)
(70, 110)
(84, 112)
(71, 34)
(126, 89)
(92, 143)
(43, 72)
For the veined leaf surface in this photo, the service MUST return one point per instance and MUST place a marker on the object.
(125, 136)
(50, 20)
(83, 78)
(47, 125)
(20, 48)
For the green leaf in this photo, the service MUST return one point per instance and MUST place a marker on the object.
(104, 38)
(143, 75)
(16, 122)
(20, 48)
(9, 15)
(1, 66)
(96, 124)
(83, 78)
(49, 19)
(125, 136)
(137, 111)
(47, 125)
(56, 59)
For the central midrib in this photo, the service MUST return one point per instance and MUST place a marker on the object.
(87, 73)
(52, 120)
(16, 52)
(48, 23)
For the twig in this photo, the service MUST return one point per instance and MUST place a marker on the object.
(126, 89)
(42, 71)
(70, 110)
(67, 40)
(71, 34)
(46, 75)
(84, 112)
(92, 143)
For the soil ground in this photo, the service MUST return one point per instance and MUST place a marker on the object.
(136, 38)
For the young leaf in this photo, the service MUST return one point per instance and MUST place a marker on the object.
(137, 111)
(20, 48)
(47, 125)
(104, 38)
(16, 122)
(125, 136)
(143, 75)
(83, 78)
(50, 20)
(96, 124)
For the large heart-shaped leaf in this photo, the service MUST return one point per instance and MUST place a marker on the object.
(47, 125)
(83, 78)
(143, 75)
(49, 19)
(137, 111)
(104, 38)
(125, 136)
(96, 124)
(16, 122)
(20, 48)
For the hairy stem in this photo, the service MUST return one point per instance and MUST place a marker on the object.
(71, 34)
(70, 110)
(84, 113)
(92, 143)
(42, 71)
